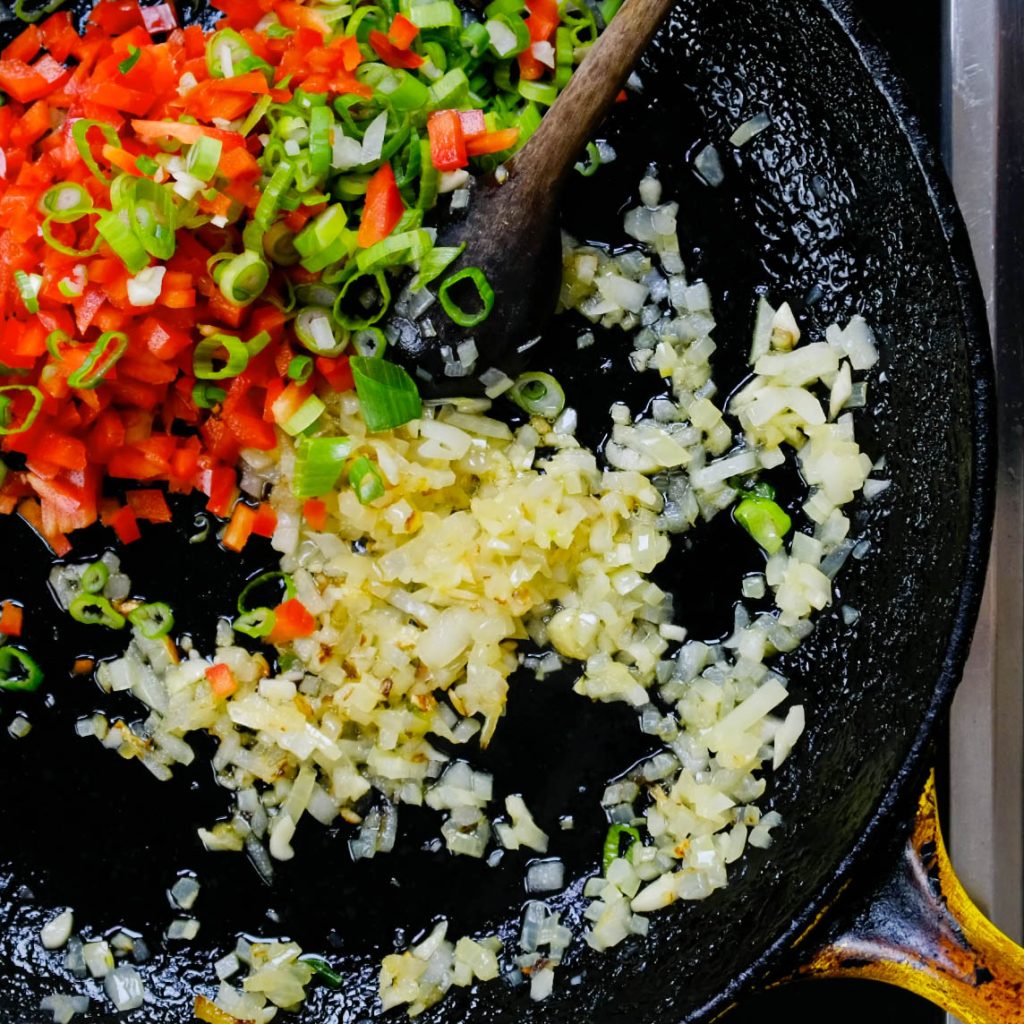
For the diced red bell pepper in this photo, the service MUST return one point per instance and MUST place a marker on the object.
(492, 142)
(392, 55)
(125, 525)
(12, 617)
(222, 680)
(266, 520)
(337, 372)
(239, 529)
(383, 208)
(24, 47)
(402, 32)
(149, 504)
(447, 145)
(543, 19)
(314, 511)
(22, 82)
(292, 621)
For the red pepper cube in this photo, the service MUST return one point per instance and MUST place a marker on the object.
(447, 143)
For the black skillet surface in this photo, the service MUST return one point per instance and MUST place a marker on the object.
(838, 208)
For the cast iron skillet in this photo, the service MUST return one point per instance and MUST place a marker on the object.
(839, 207)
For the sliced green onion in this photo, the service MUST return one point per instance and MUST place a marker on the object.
(435, 263)
(322, 967)
(270, 202)
(402, 90)
(102, 358)
(463, 317)
(153, 621)
(387, 394)
(146, 164)
(54, 341)
(430, 179)
(613, 844)
(72, 288)
(3, 472)
(96, 610)
(151, 214)
(539, 394)
(508, 35)
(257, 623)
(39, 12)
(538, 92)
(450, 90)
(369, 342)
(243, 279)
(279, 245)
(322, 231)
(226, 52)
(304, 417)
(120, 237)
(28, 418)
(207, 396)
(19, 671)
(475, 39)
(300, 369)
(95, 577)
(589, 167)
(65, 202)
(257, 343)
(255, 115)
(763, 490)
(397, 249)
(565, 57)
(204, 157)
(321, 132)
(134, 53)
(352, 320)
(225, 348)
(316, 330)
(765, 521)
(28, 286)
(262, 580)
(318, 464)
(609, 8)
(80, 135)
(365, 479)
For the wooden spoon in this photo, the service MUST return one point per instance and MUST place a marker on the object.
(511, 228)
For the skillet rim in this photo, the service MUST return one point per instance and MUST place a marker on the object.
(879, 832)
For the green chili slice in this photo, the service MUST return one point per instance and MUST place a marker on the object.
(153, 620)
(95, 610)
(613, 843)
(19, 671)
(260, 581)
(539, 394)
(485, 294)
(95, 577)
(765, 521)
(257, 623)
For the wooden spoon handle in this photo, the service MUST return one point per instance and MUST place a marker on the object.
(575, 115)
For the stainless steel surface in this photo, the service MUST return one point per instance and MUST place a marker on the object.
(984, 108)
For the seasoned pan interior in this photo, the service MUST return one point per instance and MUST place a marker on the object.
(834, 208)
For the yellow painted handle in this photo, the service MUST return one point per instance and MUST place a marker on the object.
(923, 933)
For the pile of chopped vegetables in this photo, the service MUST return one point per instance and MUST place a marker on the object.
(200, 227)
(202, 235)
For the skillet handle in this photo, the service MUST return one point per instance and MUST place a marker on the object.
(922, 932)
